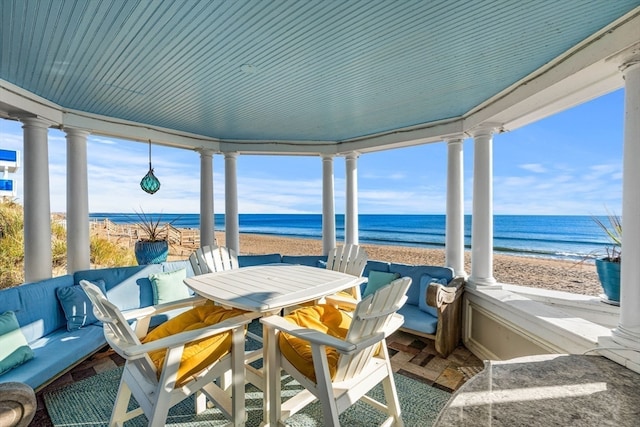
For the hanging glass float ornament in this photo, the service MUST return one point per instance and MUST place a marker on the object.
(150, 184)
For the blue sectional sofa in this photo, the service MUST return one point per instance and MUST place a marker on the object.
(43, 323)
(56, 349)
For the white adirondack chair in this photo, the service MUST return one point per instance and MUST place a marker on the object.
(350, 259)
(209, 259)
(363, 359)
(156, 390)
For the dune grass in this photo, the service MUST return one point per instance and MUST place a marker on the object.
(103, 253)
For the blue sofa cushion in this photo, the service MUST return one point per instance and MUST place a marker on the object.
(56, 353)
(373, 265)
(77, 306)
(40, 312)
(251, 260)
(127, 287)
(416, 272)
(169, 266)
(14, 350)
(169, 286)
(310, 260)
(425, 281)
(378, 279)
(417, 320)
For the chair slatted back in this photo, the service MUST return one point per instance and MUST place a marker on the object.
(370, 318)
(117, 330)
(350, 259)
(209, 259)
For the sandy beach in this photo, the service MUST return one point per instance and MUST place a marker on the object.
(560, 275)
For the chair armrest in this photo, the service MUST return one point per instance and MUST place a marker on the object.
(311, 335)
(138, 313)
(342, 302)
(189, 336)
(438, 295)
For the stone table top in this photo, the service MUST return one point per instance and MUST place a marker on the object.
(547, 390)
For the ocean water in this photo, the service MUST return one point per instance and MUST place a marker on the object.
(564, 237)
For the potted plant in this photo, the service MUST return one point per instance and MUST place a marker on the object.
(608, 266)
(152, 246)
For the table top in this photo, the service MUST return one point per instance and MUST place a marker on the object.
(547, 390)
(271, 287)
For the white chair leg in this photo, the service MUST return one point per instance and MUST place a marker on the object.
(390, 392)
(201, 402)
(325, 388)
(119, 413)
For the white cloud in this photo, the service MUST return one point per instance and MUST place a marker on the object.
(534, 167)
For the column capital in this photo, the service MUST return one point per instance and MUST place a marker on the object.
(485, 129)
(36, 122)
(204, 152)
(76, 132)
(325, 156)
(231, 155)
(455, 138)
(352, 155)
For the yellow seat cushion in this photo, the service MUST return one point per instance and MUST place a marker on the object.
(197, 355)
(324, 318)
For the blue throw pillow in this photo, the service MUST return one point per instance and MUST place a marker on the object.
(169, 286)
(77, 307)
(425, 281)
(378, 279)
(14, 350)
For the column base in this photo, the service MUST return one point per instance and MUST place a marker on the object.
(627, 338)
(609, 347)
(483, 283)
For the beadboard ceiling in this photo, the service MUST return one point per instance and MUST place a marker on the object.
(285, 70)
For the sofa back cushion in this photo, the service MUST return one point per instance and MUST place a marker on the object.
(127, 287)
(170, 266)
(40, 313)
(416, 272)
(309, 260)
(251, 260)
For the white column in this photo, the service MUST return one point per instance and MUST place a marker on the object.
(207, 223)
(628, 331)
(78, 243)
(37, 205)
(482, 220)
(328, 206)
(351, 216)
(231, 218)
(454, 234)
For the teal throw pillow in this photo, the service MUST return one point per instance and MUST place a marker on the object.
(169, 286)
(378, 279)
(425, 281)
(77, 307)
(14, 350)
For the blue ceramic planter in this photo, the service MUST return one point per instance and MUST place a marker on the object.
(609, 275)
(151, 252)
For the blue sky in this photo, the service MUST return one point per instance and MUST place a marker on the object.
(570, 163)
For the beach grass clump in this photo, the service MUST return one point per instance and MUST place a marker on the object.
(108, 254)
(11, 244)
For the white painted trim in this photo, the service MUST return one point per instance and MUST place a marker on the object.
(542, 324)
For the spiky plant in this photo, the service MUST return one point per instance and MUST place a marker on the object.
(613, 230)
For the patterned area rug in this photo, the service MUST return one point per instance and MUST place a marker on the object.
(89, 403)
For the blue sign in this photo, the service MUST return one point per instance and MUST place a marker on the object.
(9, 155)
(6, 185)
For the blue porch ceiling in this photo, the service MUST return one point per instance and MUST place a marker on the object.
(285, 70)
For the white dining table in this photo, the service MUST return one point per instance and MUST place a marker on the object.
(268, 289)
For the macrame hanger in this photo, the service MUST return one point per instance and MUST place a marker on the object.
(150, 184)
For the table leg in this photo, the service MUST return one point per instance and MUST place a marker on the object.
(272, 379)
